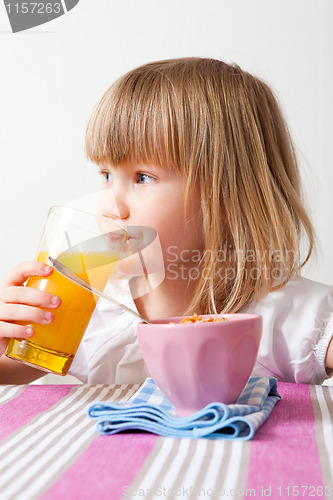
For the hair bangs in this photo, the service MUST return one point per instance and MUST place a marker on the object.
(134, 121)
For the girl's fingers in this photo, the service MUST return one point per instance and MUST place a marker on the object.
(17, 331)
(29, 296)
(20, 312)
(24, 304)
(22, 272)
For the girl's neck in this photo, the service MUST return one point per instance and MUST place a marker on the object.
(170, 298)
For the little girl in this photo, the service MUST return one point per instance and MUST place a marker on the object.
(198, 150)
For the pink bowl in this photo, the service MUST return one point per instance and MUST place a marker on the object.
(199, 363)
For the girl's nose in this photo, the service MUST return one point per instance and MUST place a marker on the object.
(112, 204)
(122, 209)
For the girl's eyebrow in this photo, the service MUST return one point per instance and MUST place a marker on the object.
(102, 167)
(135, 166)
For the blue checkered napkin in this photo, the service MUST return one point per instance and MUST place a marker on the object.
(149, 410)
(151, 394)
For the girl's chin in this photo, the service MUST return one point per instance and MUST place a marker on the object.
(131, 266)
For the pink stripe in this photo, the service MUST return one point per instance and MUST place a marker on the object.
(105, 468)
(284, 451)
(33, 400)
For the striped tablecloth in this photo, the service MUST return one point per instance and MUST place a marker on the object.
(50, 449)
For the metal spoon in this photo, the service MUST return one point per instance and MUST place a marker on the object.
(65, 271)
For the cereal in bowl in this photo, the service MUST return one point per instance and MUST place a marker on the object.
(199, 319)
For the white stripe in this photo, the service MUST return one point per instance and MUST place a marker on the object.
(24, 456)
(233, 466)
(35, 443)
(11, 394)
(149, 479)
(211, 480)
(188, 483)
(326, 424)
(193, 466)
(83, 432)
(168, 481)
(214, 468)
(47, 419)
(129, 393)
(43, 474)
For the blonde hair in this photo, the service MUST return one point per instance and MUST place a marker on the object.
(222, 128)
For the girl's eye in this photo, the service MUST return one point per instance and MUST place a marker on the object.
(140, 178)
(144, 178)
(107, 176)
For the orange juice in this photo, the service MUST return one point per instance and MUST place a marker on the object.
(53, 346)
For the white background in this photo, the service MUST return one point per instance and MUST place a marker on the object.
(53, 75)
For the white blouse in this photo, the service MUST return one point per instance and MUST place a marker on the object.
(297, 329)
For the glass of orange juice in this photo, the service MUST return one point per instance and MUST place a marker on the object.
(90, 246)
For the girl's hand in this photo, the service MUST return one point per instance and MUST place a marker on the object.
(19, 303)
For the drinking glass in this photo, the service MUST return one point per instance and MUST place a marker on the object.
(90, 246)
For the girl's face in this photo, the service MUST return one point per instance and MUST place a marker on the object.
(149, 195)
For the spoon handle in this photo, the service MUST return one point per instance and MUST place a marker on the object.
(69, 274)
(111, 299)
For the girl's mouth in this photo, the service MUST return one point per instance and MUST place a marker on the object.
(138, 238)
